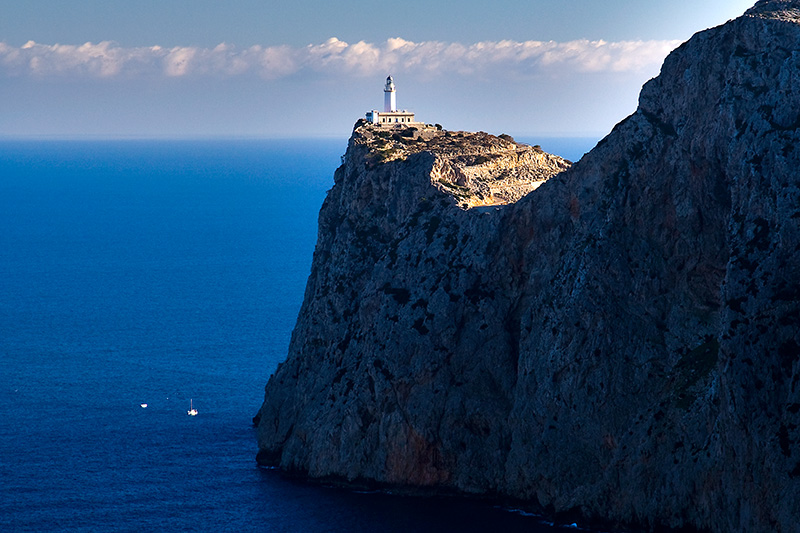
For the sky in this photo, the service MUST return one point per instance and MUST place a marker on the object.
(262, 68)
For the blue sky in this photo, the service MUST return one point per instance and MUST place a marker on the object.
(276, 69)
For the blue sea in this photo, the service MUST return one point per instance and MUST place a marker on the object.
(163, 272)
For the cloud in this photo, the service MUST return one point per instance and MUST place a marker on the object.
(335, 58)
(179, 61)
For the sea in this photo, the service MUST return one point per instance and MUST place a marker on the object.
(138, 277)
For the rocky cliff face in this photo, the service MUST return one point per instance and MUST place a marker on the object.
(623, 343)
(477, 169)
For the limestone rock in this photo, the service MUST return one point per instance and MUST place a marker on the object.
(477, 169)
(621, 344)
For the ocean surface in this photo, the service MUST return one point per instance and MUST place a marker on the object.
(159, 273)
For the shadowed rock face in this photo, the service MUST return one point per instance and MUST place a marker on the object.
(623, 343)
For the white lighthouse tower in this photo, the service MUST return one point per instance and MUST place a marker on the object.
(389, 96)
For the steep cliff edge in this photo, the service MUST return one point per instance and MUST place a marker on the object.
(622, 343)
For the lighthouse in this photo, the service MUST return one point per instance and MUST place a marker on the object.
(390, 116)
(389, 96)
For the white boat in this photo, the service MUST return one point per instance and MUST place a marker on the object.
(192, 411)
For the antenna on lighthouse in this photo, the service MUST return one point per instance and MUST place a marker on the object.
(389, 96)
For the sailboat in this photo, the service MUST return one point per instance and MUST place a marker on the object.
(192, 411)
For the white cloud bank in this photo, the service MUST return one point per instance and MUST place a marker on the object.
(333, 58)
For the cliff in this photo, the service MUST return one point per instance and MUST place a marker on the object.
(620, 344)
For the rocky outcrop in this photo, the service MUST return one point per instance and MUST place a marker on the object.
(622, 344)
(477, 169)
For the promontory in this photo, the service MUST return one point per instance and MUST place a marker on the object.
(616, 340)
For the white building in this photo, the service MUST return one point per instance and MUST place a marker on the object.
(390, 116)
